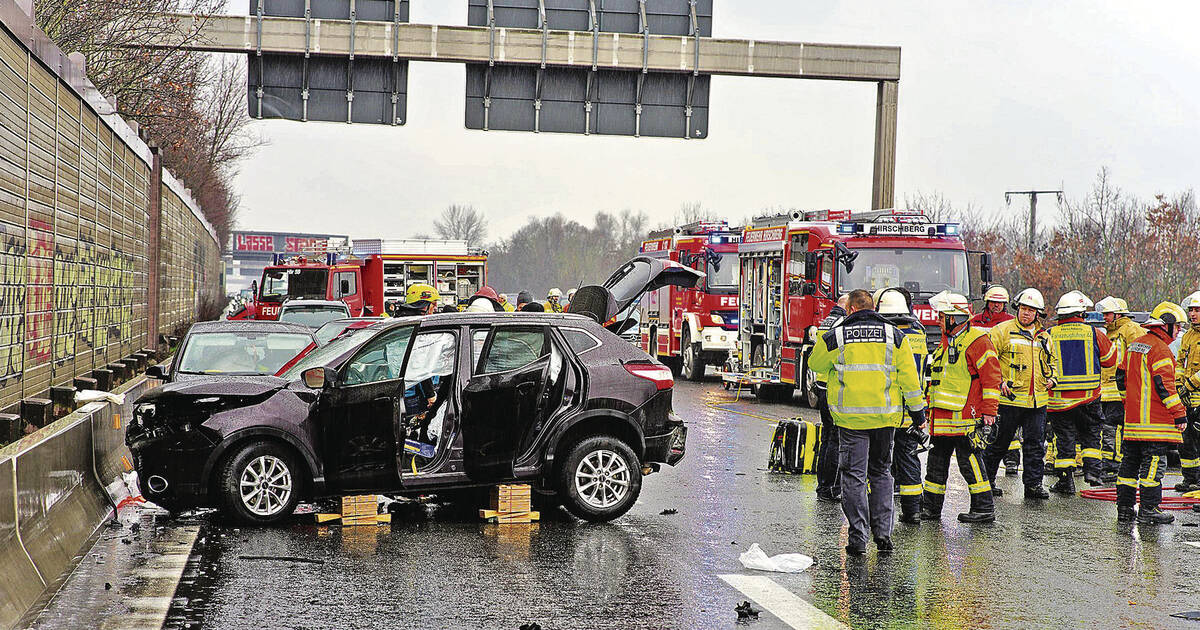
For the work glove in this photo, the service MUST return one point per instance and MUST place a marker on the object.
(1181, 423)
(918, 418)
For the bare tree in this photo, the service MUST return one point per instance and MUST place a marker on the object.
(462, 223)
(694, 211)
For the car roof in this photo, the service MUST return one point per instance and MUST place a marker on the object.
(314, 303)
(248, 325)
(507, 317)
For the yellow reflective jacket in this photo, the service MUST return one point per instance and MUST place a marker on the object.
(1122, 332)
(1188, 374)
(1024, 362)
(870, 372)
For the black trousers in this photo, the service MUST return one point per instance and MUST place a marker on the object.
(1080, 425)
(906, 469)
(865, 456)
(1112, 416)
(1031, 423)
(1142, 468)
(1189, 451)
(937, 471)
(827, 459)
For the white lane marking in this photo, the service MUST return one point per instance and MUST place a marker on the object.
(780, 602)
(1192, 543)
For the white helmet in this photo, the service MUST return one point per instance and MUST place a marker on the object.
(1072, 302)
(554, 293)
(996, 293)
(1031, 298)
(891, 302)
(1112, 304)
(1191, 301)
(948, 303)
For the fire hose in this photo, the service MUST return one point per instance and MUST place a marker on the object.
(1182, 502)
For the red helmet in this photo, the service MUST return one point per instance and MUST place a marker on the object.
(491, 294)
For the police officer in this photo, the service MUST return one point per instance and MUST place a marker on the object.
(1077, 354)
(964, 391)
(906, 467)
(872, 380)
(828, 486)
(1022, 348)
(1122, 331)
(1154, 417)
(1188, 380)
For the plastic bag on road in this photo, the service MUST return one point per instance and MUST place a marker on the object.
(92, 395)
(756, 558)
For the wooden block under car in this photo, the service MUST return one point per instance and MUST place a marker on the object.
(511, 498)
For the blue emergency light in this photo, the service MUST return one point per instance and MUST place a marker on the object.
(847, 227)
(948, 229)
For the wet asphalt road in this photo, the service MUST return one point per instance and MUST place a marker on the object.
(1062, 563)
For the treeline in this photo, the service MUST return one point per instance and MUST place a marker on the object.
(1107, 242)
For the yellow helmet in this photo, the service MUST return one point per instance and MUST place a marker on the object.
(421, 293)
(1166, 314)
(1112, 304)
(996, 293)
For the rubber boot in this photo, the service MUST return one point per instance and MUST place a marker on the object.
(910, 509)
(983, 509)
(977, 517)
(931, 506)
(1012, 462)
(1154, 516)
(1092, 480)
(1066, 483)
(1036, 492)
(1125, 514)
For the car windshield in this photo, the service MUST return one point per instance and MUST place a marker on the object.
(921, 271)
(313, 316)
(326, 353)
(240, 352)
(723, 271)
(295, 283)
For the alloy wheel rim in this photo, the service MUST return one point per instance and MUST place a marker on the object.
(602, 479)
(265, 485)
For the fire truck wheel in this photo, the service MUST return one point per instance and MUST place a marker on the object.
(691, 365)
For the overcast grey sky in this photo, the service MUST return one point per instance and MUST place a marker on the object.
(993, 96)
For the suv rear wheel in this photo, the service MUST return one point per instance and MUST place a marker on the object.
(260, 484)
(600, 479)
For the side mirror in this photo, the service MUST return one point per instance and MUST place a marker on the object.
(809, 288)
(253, 289)
(319, 377)
(156, 371)
(985, 268)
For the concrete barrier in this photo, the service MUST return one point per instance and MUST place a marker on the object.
(57, 486)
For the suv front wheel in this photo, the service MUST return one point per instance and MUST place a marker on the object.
(259, 484)
(600, 479)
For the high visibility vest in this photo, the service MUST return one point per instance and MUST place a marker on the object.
(1150, 413)
(1023, 363)
(950, 381)
(1073, 344)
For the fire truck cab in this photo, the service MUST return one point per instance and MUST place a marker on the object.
(689, 329)
(372, 274)
(795, 266)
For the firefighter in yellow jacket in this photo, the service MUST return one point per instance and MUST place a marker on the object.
(964, 391)
(895, 306)
(1154, 417)
(1077, 354)
(1122, 331)
(1188, 380)
(1022, 347)
(872, 381)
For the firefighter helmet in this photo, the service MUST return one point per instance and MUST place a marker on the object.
(948, 303)
(891, 302)
(1166, 314)
(996, 293)
(420, 292)
(1112, 304)
(1191, 301)
(1031, 298)
(1072, 302)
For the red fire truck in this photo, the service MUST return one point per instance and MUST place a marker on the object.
(794, 266)
(373, 272)
(689, 329)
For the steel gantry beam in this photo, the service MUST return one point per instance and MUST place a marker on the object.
(577, 49)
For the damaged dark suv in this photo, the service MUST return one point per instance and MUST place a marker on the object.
(417, 405)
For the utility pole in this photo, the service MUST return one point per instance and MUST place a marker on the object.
(1033, 195)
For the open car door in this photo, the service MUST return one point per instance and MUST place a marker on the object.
(626, 285)
(507, 402)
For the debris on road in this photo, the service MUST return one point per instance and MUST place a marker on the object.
(668, 512)
(746, 611)
(757, 559)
